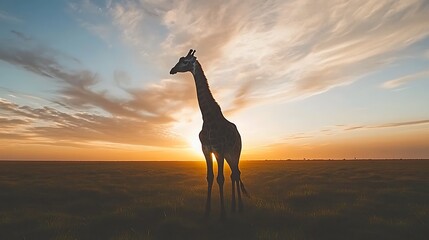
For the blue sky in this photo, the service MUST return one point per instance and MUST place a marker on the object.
(313, 79)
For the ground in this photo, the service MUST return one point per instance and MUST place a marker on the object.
(165, 200)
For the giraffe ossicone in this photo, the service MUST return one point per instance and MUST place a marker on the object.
(218, 136)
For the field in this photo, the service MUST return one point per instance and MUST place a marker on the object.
(165, 200)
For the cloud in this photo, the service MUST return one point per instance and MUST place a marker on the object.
(94, 19)
(338, 129)
(338, 141)
(168, 97)
(8, 17)
(395, 83)
(299, 136)
(20, 35)
(13, 122)
(143, 118)
(387, 125)
(294, 49)
(76, 90)
(49, 125)
(258, 51)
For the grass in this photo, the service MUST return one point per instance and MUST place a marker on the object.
(165, 200)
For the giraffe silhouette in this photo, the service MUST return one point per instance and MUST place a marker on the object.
(218, 136)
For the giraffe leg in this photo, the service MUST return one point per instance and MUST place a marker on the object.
(232, 160)
(220, 181)
(233, 193)
(240, 201)
(210, 176)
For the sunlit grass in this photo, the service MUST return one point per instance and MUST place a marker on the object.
(165, 200)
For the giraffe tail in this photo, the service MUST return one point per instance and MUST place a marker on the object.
(243, 189)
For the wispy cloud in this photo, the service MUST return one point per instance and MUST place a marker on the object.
(337, 141)
(299, 136)
(254, 51)
(398, 82)
(387, 125)
(12, 122)
(20, 35)
(339, 129)
(143, 118)
(94, 18)
(48, 125)
(5, 16)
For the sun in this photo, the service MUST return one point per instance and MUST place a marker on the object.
(195, 145)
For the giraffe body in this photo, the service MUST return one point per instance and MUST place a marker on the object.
(218, 135)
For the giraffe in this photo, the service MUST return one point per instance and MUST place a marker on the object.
(218, 136)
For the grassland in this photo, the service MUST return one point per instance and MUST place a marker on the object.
(165, 200)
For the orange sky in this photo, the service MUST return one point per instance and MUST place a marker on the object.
(394, 145)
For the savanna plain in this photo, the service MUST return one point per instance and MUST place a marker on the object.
(381, 199)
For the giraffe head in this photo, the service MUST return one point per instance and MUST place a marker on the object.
(185, 64)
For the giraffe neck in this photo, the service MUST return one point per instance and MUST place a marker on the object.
(210, 110)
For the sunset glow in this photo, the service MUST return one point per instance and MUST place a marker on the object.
(89, 80)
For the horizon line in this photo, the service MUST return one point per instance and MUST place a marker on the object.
(246, 160)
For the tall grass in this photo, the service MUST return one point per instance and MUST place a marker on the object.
(165, 200)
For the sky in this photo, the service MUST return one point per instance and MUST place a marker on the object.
(89, 80)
